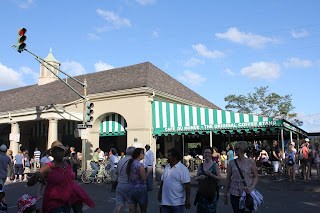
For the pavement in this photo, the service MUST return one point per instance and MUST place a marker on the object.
(283, 196)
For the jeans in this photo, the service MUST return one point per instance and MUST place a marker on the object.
(172, 209)
(95, 168)
(235, 204)
(150, 182)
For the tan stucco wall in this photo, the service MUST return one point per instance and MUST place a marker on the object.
(135, 109)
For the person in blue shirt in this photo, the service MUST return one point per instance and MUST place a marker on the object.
(18, 166)
(230, 153)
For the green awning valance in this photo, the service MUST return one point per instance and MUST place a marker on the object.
(113, 125)
(169, 118)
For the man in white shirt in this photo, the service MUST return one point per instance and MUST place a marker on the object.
(174, 193)
(36, 156)
(148, 163)
(114, 162)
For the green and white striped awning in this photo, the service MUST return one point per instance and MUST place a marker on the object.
(169, 118)
(113, 125)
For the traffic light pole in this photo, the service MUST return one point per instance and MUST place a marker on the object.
(84, 97)
(84, 141)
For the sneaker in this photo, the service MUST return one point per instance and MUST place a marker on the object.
(15, 180)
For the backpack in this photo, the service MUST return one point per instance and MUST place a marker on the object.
(301, 155)
(290, 161)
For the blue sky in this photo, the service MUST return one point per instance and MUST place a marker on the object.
(216, 48)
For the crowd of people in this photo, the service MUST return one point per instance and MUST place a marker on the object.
(132, 175)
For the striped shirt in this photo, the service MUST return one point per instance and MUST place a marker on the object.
(37, 154)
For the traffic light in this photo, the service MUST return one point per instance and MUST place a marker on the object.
(21, 38)
(88, 111)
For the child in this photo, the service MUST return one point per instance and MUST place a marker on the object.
(223, 161)
(27, 204)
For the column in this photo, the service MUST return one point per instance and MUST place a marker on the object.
(52, 131)
(14, 144)
(282, 143)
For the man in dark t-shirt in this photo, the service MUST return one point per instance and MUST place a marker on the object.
(275, 159)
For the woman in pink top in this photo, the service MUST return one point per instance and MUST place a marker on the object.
(61, 193)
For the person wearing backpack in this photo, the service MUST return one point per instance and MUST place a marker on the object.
(291, 161)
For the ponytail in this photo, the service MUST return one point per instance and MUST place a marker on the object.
(136, 153)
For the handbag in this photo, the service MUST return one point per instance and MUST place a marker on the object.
(207, 187)
(249, 201)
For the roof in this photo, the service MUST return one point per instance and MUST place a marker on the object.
(50, 57)
(135, 76)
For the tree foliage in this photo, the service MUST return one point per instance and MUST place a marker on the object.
(262, 103)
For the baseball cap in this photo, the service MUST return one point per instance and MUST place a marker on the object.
(3, 148)
(307, 139)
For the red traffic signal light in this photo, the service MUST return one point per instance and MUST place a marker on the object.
(21, 38)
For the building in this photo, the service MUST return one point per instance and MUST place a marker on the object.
(134, 105)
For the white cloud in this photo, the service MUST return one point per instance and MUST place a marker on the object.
(93, 36)
(113, 19)
(311, 122)
(297, 62)
(191, 78)
(102, 66)
(73, 68)
(155, 34)
(229, 72)
(28, 71)
(10, 78)
(303, 33)
(24, 3)
(145, 2)
(202, 50)
(193, 62)
(262, 70)
(249, 39)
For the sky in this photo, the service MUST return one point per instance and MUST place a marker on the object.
(216, 48)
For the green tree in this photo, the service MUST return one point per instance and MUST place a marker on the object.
(262, 103)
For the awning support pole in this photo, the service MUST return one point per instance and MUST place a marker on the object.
(290, 136)
(183, 151)
(210, 138)
(282, 142)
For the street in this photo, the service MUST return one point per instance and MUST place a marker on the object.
(302, 196)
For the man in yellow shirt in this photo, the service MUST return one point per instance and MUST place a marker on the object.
(95, 162)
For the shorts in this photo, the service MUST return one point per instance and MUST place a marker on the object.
(276, 166)
(138, 195)
(18, 169)
(122, 194)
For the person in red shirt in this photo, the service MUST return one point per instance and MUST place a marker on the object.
(305, 162)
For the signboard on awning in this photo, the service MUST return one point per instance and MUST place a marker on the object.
(169, 118)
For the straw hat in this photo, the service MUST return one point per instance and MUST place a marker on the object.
(59, 145)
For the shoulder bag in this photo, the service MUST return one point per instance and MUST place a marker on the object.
(252, 200)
